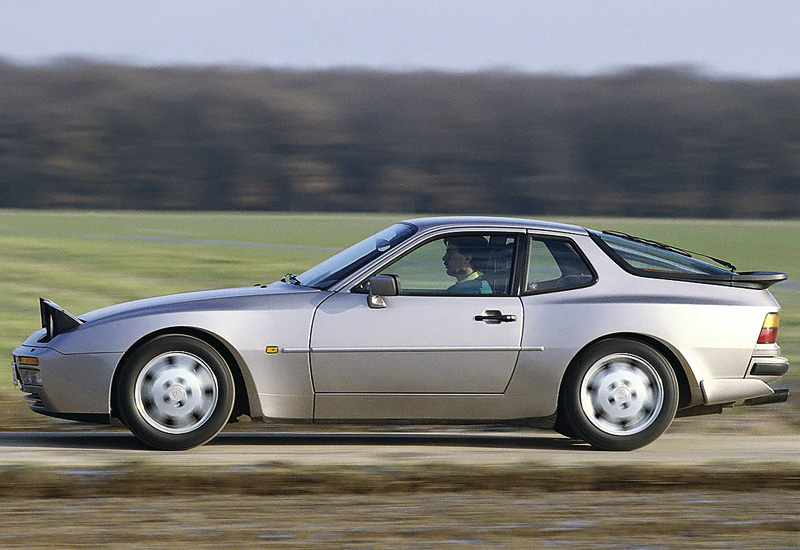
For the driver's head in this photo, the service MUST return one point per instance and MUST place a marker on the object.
(463, 255)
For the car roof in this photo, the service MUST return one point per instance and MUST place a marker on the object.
(500, 222)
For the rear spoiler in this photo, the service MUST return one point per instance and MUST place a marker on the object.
(760, 280)
(55, 319)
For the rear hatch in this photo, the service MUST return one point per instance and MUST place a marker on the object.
(649, 258)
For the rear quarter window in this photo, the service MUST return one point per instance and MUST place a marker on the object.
(555, 264)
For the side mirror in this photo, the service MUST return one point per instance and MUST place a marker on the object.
(380, 286)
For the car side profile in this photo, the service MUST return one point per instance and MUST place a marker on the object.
(602, 336)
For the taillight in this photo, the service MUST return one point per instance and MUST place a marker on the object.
(769, 330)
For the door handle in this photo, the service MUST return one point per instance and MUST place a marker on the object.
(493, 316)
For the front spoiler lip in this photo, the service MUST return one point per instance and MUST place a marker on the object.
(77, 417)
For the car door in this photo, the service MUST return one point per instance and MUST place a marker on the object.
(435, 336)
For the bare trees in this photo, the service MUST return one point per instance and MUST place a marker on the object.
(649, 142)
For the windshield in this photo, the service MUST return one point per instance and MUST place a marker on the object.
(654, 260)
(337, 267)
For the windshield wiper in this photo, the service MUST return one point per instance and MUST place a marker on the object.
(290, 278)
(670, 248)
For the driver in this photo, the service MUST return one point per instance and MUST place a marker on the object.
(462, 258)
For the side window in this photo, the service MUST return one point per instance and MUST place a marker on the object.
(555, 264)
(460, 265)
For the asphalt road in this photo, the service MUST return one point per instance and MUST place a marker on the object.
(401, 448)
(438, 488)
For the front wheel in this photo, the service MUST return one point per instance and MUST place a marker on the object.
(175, 393)
(620, 395)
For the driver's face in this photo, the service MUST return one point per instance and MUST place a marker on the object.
(458, 265)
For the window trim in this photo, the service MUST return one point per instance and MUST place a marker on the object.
(520, 240)
(527, 258)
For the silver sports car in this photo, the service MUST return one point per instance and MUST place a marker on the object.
(603, 336)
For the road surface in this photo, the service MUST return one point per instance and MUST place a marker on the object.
(400, 448)
(442, 488)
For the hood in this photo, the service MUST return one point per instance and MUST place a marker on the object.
(229, 298)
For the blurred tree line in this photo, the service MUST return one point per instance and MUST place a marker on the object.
(651, 141)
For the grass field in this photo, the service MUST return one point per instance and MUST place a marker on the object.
(86, 260)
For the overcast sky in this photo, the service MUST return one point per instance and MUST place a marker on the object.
(724, 37)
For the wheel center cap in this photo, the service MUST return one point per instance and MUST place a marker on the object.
(176, 393)
(623, 394)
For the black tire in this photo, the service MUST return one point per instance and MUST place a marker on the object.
(175, 392)
(619, 395)
(561, 426)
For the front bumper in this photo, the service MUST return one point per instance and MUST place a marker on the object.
(72, 386)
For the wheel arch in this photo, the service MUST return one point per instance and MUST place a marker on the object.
(688, 388)
(243, 382)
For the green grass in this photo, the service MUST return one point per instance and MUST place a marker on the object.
(86, 260)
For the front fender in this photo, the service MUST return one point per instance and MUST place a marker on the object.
(281, 381)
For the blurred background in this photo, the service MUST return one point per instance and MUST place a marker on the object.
(671, 109)
(150, 147)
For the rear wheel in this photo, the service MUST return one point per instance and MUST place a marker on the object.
(175, 393)
(619, 395)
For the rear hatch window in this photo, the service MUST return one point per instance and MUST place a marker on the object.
(642, 256)
(648, 258)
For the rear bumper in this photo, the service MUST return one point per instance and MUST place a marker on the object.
(769, 366)
(740, 391)
(778, 396)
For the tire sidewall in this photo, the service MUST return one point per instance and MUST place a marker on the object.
(126, 388)
(571, 403)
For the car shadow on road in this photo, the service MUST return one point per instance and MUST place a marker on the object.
(99, 440)
(489, 441)
(92, 440)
